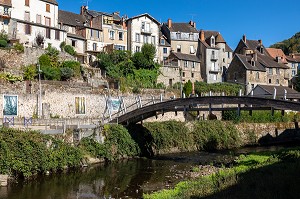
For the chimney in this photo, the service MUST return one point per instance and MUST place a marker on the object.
(116, 13)
(260, 42)
(91, 23)
(244, 38)
(193, 24)
(170, 23)
(82, 9)
(202, 38)
(255, 56)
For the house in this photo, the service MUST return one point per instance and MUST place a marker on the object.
(252, 65)
(280, 92)
(35, 23)
(215, 56)
(142, 29)
(182, 64)
(164, 48)
(71, 23)
(5, 15)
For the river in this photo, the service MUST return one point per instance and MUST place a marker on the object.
(122, 179)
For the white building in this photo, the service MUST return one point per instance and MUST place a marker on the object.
(5, 14)
(142, 29)
(36, 18)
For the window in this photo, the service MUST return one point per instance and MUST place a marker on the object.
(193, 64)
(192, 49)
(57, 34)
(38, 19)
(270, 81)
(192, 75)
(26, 2)
(27, 16)
(257, 75)
(137, 37)
(98, 34)
(121, 35)
(293, 73)
(277, 71)
(223, 60)
(73, 43)
(111, 34)
(214, 77)
(48, 33)
(5, 11)
(212, 41)
(119, 47)
(94, 47)
(153, 40)
(191, 36)
(270, 71)
(213, 66)
(91, 33)
(293, 65)
(228, 55)
(183, 74)
(185, 63)
(137, 49)
(165, 50)
(178, 48)
(277, 81)
(47, 7)
(27, 29)
(162, 41)
(5, 21)
(178, 35)
(47, 21)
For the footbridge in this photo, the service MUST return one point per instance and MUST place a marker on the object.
(206, 103)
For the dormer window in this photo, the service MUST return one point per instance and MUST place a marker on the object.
(178, 35)
(212, 41)
(252, 62)
(191, 35)
(162, 41)
(261, 50)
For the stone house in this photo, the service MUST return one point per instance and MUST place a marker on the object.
(252, 65)
(5, 14)
(32, 19)
(281, 92)
(143, 29)
(215, 56)
(72, 22)
(182, 64)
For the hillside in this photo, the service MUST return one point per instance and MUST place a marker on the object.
(290, 45)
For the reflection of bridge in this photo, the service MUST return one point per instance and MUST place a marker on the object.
(209, 103)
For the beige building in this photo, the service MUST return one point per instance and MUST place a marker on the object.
(5, 15)
(252, 65)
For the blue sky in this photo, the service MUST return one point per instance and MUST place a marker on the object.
(269, 20)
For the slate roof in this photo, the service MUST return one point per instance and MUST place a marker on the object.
(75, 36)
(94, 14)
(291, 93)
(218, 39)
(51, 1)
(228, 49)
(187, 57)
(182, 27)
(70, 18)
(246, 61)
(274, 53)
(267, 61)
(142, 15)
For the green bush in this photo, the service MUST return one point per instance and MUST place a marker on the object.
(62, 45)
(30, 72)
(188, 88)
(44, 60)
(51, 73)
(66, 73)
(3, 43)
(70, 50)
(227, 88)
(74, 65)
(19, 47)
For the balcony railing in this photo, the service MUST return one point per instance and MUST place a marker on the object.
(214, 57)
(5, 13)
(146, 31)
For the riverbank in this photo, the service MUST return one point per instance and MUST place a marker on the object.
(256, 175)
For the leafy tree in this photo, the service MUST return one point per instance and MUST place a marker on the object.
(53, 53)
(62, 45)
(290, 45)
(30, 72)
(148, 51)
(188, 88)
(70, 50)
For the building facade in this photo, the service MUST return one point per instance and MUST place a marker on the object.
(5, 15)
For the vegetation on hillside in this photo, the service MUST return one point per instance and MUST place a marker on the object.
(290, 45)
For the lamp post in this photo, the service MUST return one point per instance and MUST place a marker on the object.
(40, 92)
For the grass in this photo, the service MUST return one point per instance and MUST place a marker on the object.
(257, 175)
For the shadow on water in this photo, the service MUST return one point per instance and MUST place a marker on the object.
(276, 181)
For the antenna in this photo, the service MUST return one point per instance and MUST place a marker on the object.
(192, 15)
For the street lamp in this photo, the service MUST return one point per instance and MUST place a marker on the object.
(40, 92)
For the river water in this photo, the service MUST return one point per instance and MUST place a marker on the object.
(123, 179)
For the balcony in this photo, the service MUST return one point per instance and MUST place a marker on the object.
(214, 58)
(214, 70)
(5, 14)
(146, 31)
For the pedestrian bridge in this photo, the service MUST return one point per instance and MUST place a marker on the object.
(206, 103)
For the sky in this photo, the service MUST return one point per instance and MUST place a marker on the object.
(269, 20)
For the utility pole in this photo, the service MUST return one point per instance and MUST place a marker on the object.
(180, 73)
(40, 93)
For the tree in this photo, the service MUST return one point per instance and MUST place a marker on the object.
(188, 88)
(149, 51)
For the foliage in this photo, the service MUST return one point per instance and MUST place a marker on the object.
(62, 46)
(148, 50)
(44, 60)
(53, 53)
(19, 47)
(118, 144)
(23, 154)
(188, 88)
(70, 50)
(66, 73)
(3, 43)
(10, 77)
(290, 45)
(51, 73)
(3, 35)
(30, 72)
(74, 65)
(227, 88)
